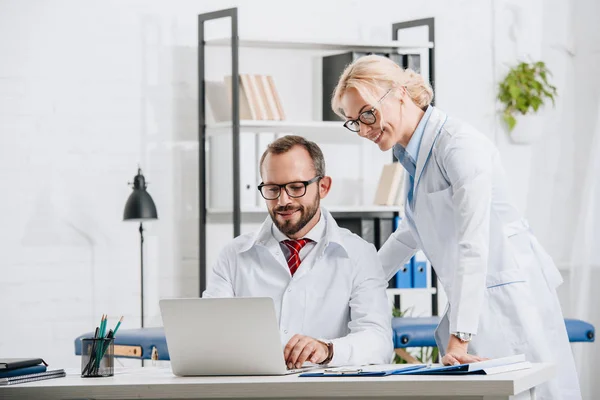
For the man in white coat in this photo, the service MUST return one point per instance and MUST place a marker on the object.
(327, 283)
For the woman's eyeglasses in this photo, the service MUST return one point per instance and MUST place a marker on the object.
(366, 117)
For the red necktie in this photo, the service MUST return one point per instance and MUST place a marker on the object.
(294, 258)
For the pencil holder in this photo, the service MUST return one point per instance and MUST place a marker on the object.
(97, 357)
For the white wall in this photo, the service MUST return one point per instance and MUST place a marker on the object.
(89, 89)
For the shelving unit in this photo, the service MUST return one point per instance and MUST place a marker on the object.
(331, 132)
(391, 46)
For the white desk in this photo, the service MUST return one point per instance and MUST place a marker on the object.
(159, 383)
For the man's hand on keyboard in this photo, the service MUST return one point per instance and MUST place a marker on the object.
(302, 348)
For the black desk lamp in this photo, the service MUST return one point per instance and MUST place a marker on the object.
(140, 207)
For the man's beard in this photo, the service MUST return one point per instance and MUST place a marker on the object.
(289, 227)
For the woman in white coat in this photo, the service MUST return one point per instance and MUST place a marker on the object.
(501, 284)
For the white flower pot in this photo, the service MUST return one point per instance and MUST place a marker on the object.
(528, 128)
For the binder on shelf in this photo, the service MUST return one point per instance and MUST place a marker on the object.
(253, 82)
(269, 99)
(218, 96)
(221, 169)
(419, 270)
(248, 173)
(412, 61)
(363, 227)
(259, 99)
(390, 182)
(252, 95)
(402, 190)
(334, 65)
(276, 98)
(385, 230)
(404, 276)
(247, 110)
(263, 139)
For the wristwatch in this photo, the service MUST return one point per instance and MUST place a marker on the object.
(329, 357)
(463, 336)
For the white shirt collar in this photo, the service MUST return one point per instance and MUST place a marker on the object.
(265, 236)
(315, 234)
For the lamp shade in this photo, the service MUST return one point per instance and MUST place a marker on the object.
(139, 206)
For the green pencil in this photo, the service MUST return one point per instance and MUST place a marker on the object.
(103, 325)
(117, 327)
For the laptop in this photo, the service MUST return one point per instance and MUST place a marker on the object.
(223, 336)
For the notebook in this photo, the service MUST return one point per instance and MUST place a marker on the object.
(58, 373)
(7, 364)
(35, 369)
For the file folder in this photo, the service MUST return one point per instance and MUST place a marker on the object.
(488, 367)
(350, 372)
(396, 223)
(404, 276)
(419, 270)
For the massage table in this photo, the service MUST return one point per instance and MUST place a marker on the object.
(150, 343)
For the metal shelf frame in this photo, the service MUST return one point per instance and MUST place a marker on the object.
(234, 41)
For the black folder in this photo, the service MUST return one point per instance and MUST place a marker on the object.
(8, 364)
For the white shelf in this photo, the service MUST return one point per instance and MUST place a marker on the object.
(332, 209)
(323, 131)
(396, 292)
(384, 46)
(281, 126)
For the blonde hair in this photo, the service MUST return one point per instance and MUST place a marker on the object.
(370, 73)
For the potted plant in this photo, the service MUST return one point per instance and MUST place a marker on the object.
(522, 92)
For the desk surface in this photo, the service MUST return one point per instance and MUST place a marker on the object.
(159, 383)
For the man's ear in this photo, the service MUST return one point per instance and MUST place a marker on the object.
(324, 186)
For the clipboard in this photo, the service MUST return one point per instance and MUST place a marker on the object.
(354, 372)
(488, 367)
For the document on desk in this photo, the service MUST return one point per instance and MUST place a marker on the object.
(489, 367)
(364, 370)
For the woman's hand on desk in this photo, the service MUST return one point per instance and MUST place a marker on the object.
(456, 353)
(302, 348)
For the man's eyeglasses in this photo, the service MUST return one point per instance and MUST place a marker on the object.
(366, 117)
(296, 189)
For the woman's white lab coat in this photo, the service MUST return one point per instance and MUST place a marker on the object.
(499, 280)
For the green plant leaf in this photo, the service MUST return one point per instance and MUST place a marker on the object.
(510, 121)
(514, 91)
(524, 90)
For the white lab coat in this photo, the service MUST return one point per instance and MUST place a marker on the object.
(340, 297)
(499, 280)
